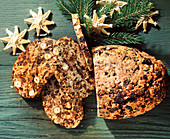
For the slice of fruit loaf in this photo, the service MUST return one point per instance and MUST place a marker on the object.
(73, 72)
(82, 42)
(60, 107)
(128, 82)
(33, 69)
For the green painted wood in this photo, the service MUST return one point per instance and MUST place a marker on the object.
(25, 118)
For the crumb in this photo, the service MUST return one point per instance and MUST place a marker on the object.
(20, 100)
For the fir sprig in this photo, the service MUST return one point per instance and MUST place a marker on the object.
(131, 12)
(123, 31)
(87, 27)
(66, 8)
(118, 38)
(105, 9)
(81, 7)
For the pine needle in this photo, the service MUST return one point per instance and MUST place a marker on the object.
(65, 8)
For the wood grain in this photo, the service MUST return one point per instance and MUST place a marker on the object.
(25, 118)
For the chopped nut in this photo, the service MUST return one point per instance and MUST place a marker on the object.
(17, 84)
(121, 84)
(56, 110)
(47, 56)
(43, 45)
(36, 80)
(68, 105)
(55, 51)
(71, 83)
(65, 67)
(31, 93)
(116, 81)
(55, 58)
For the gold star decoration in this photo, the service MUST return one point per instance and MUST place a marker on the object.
(98, 24)
(146, 19)
(117, 5)
(39, 21)
(15, 40)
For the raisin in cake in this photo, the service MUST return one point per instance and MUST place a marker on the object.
(33, 68)
(60, 107)
(128, 82)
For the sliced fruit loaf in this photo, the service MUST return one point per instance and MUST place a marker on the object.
(128, 82)
(42, 59)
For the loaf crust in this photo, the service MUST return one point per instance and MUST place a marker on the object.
(128, 82)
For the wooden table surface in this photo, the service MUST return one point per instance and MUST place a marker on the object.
(25, 118)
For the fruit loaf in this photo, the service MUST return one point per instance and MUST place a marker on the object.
(128, 82)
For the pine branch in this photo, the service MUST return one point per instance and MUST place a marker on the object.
(118, 38)
(81, 7)
(88, 27)
(105, 10)
(66, 8)
(131, 12)
(123, 23)
(90, 5)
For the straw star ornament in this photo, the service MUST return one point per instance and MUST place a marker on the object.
(117, 5)
(15, 40)
(98, 25)
(39, 21)
(145, 20)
